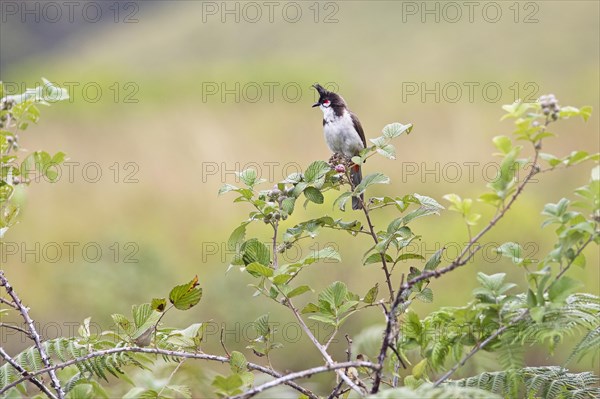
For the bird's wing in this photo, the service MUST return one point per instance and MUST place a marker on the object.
(358, 127)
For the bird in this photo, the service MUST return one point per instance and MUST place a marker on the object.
(343, 132)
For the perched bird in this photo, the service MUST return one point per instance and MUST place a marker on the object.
(343, 131)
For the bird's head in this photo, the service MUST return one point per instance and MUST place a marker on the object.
(328, 99)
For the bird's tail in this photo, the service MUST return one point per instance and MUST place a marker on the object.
(356, 176)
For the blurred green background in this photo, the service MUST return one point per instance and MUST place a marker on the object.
(186, 100)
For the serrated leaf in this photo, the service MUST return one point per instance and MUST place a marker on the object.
(314, 195)
(369, 180)
(316, 170)
(237, 362)
(513, 251)
(185, 296)
(288, 205)
(255, 251)
(426, 295)
(258, 270)
(248, 177)
(396, 129)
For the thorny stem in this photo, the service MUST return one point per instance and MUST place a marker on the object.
(34, 334)
(26, 374)
(302, 374)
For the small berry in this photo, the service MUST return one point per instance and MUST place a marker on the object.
(340, 168)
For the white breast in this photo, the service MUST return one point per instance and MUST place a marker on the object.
(340, 135)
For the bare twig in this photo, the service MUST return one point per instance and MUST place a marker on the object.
(320, 348)
(34, 334)
(388, 276)
(302, 374)
(170, 378)
(9, 303)
(223, 343)
(26, 374)
(10, 326)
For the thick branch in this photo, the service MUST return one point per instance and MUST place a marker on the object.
(156, 351)
(25, 374)
(35, 336)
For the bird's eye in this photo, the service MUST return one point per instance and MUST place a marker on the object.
(326, 103)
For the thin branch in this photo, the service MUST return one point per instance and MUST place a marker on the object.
(9, 303)
(480, 346)
(335, 391)
(579, 251)
(156, 351)
(26, 374)
(320, 347)
(275, 227)
(388, 276)
(170, 378)
(34, 334)
(223, 343)
(302, 374)
(10, 326)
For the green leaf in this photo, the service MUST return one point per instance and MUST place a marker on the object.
(236, 237)
(159, 304)
(342, 199)
(258, 270)
(185, 296)
(335, 294)
(426, 295)
(560, 289)
(314, 195)
(299, 291)
(238, 362)
(503, 143)
(255, 251)
(325, 253)
(371, 295)
(248, 177)
(419, 369)
(513, 251)
(396, 129)
(369, 180)
(388, 151)
(227, 188)
(288, 205)
(376, 258)
(228, 386)
(435, 260)
(316, 170)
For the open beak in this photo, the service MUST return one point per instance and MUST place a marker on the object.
(316, 105)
